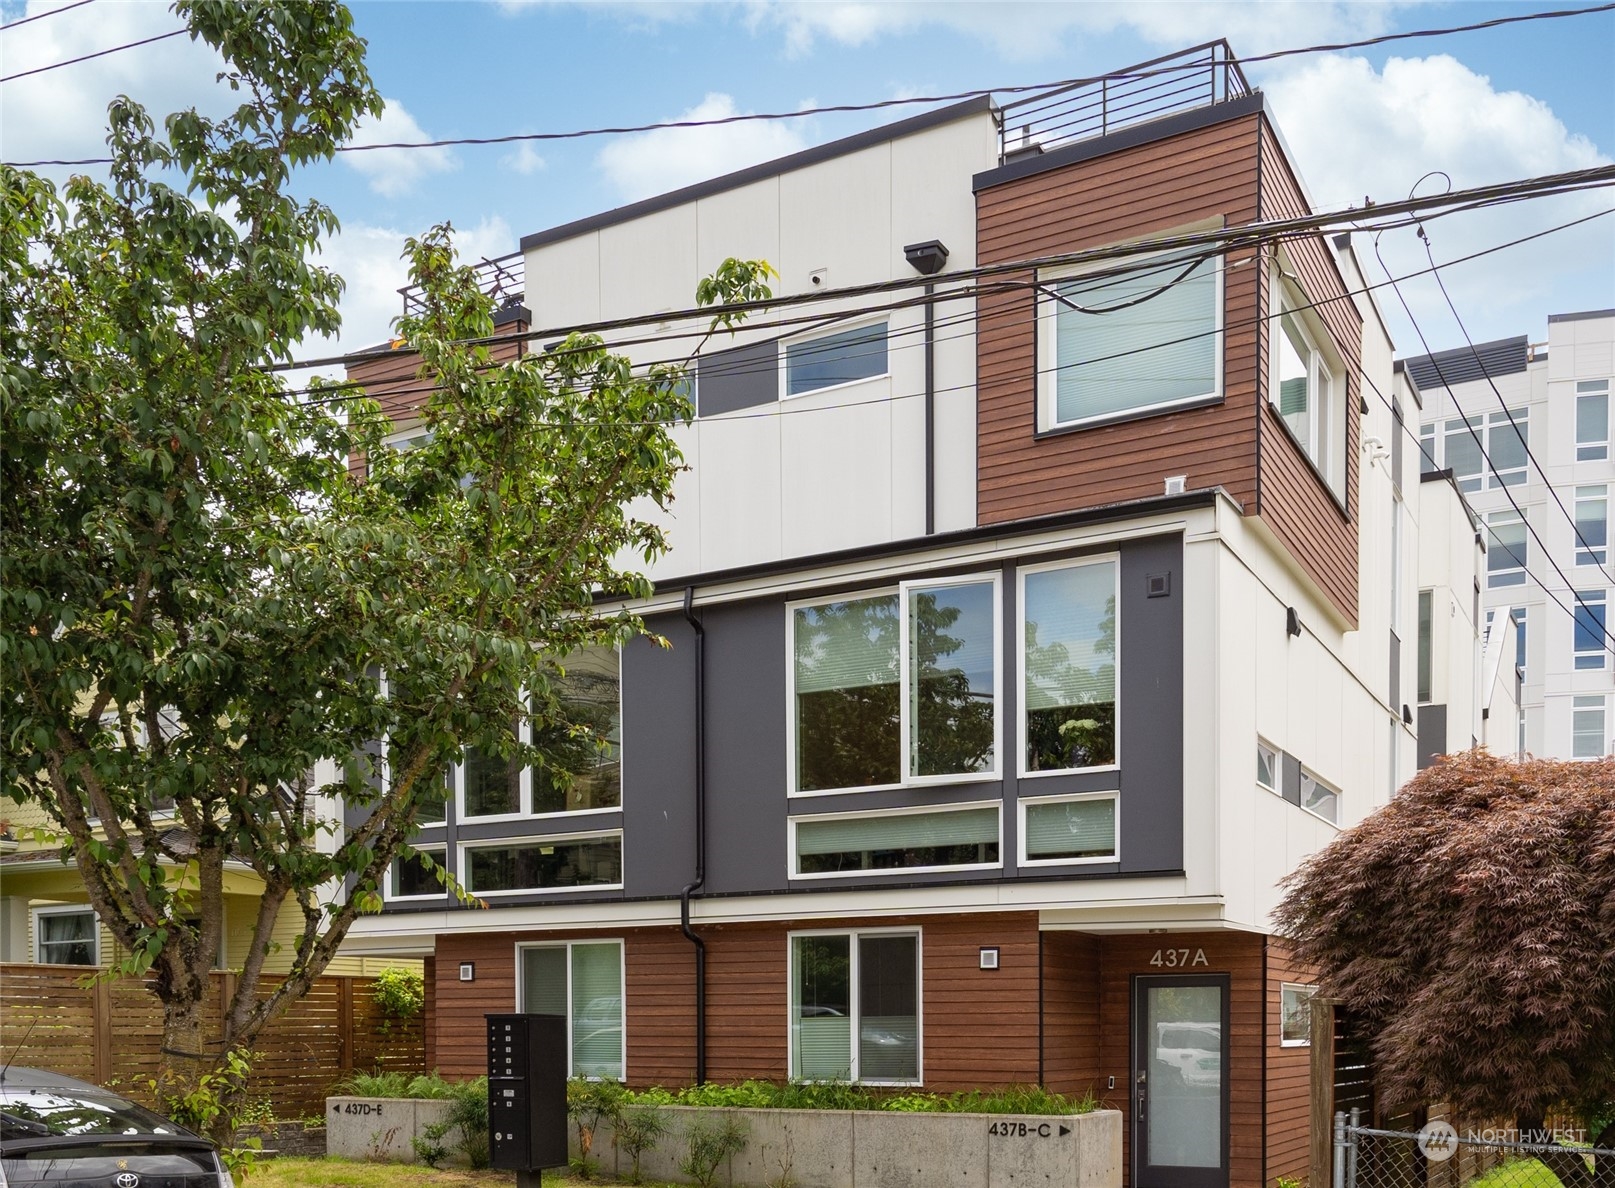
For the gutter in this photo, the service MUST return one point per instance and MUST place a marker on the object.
(700, 838)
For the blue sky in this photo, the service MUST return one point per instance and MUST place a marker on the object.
(1483, 107)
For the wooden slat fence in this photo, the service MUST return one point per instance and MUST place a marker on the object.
(112, 1032)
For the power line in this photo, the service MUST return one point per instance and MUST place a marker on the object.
(1490, 466)
(39, 16)
(882, 104)
(1234, 238)
(117, 49)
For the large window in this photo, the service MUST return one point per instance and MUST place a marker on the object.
(896, 688)
(855, 1007)
(1068, 666)
(1505, 434)
(66, 936)
(581, 736)
(1116, 343)
(896, 841)
(417, 876)
(1592, 525)
(543, 864)
(1308, 392)
(830, 360)
(583, 983)
(1587, 727)
(1507, 552)
(1591, 621)
(1069, 829)
(1592, 420)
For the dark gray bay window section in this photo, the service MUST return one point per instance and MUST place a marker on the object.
(834, 359)
(1114, 345)
(896, 688)
(852, 843)
(542, 864)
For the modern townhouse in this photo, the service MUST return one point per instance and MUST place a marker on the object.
(1524, 429)
(1028, 624)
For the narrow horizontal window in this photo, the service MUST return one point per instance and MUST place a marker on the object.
(1318, 797)
(1148, 338)
(840, 358)
(849, 844)
(544, 865)
(1068, 629)
(1082, 829)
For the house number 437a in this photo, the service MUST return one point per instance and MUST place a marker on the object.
(1179, 958)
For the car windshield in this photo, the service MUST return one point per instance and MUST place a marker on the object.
(41, 1113)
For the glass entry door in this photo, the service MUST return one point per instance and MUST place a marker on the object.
(1180, 1081)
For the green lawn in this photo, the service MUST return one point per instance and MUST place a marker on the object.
(350, 1173)
(1518, 1173)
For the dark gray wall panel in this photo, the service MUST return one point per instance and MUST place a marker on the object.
(1291, 785)
(1150, 716)
(742, 377)
(1432, 733)
(658, 761)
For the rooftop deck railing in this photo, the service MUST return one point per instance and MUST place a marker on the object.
(504, 278)
(1191, 78)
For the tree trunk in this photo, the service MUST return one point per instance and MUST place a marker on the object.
(186, 1089)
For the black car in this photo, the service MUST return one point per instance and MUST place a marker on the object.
(65, 1133)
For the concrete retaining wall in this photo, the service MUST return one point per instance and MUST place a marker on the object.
(887, 1149)
(379, 1127)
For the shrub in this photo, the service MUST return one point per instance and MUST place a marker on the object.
(708, 1144)
(470, 1113)
(400, 995)
(590, 1103)
(636, 1132)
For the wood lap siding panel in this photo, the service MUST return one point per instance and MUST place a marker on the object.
(1071, 1014)
(1289, 1075)
(1294, 502)
(1210, 172)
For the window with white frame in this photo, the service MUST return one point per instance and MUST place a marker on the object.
(1268, 773)
(1128, 340)
(543, 864)
(1319, 798)
(66, 936)
(830, 360)
(1587, 730)
(1295, 1015)
(418, 875)
(1592, 525)
(1592, 420)
(896, 840)
(1591, 612)
(1307, 388)
(1427, 448)
(1505, 434)
(896, 688)
(582, 981)
(1068, 665)
(855, 1007)
(1061, 830)
(1507, 551)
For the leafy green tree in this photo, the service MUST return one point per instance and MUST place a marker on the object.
(199, 600)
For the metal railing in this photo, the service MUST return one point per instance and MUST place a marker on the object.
(1190, 78)
(504, 278)
(1447, 1155)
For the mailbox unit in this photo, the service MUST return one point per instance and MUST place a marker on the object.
(526, 1092)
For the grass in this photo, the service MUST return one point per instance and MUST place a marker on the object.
(1518, 1173)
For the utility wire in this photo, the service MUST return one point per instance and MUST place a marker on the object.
(117, 49)
(1490, 466)
(1231, 239)
(878, 105)
(39, 16)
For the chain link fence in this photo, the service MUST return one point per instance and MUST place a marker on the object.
(1444, 1155)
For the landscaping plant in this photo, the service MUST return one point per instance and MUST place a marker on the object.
(590, 1103)
(708, 1145)
(637, 1131)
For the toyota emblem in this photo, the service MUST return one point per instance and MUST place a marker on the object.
(126, 1180)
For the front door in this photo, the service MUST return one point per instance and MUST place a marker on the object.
(1180, 1081)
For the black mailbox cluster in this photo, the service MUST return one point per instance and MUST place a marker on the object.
(526, 1092)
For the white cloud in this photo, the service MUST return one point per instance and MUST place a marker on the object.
(1026, 29)
(1358, 134)
(393, 172)
(649, 163)
(61, 114)
(523, 160)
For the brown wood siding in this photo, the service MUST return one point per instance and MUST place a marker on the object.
(429, 1010)
(1294, 501)
(1240, 956)
(980, 1027)
(1289, 1075)
(1202, 174)
(1071, 1014)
